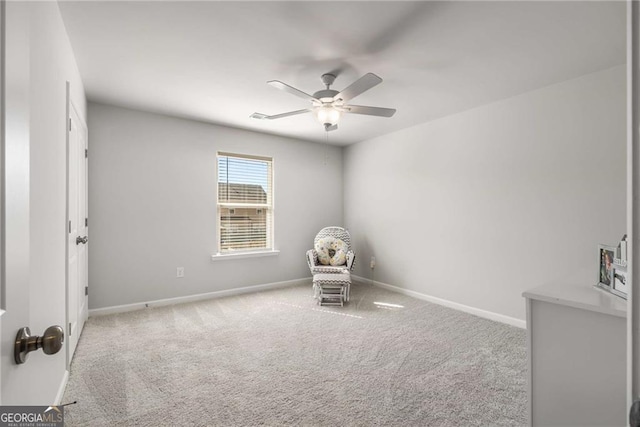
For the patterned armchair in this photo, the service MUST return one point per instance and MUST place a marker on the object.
(340, 242)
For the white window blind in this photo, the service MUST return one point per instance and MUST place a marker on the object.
(245, 203)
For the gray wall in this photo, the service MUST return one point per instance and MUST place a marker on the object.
(480, 206)
(152, 205)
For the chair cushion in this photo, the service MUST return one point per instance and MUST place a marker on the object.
(331, 251)
(329, 269)
(332, 279)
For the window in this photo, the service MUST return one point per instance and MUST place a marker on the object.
(245, 203)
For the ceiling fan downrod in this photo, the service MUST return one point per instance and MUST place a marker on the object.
(328, 79)
(326, 95)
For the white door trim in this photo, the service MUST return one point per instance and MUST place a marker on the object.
(66, 234)
(633, 200)
(72, 111)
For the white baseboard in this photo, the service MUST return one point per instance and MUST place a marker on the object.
(198, 297)
(451, 304)
(61, 389)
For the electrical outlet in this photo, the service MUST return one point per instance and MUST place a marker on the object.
(373, 262)
(180, 272)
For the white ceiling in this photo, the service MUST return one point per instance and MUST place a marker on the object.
(210, 61)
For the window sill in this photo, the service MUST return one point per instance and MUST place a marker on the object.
(240, 255)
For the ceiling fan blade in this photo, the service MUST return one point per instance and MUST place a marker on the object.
(278, 116)
(363, 84)
(292, 90)
(371, 111)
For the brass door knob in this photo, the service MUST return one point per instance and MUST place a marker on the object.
(50, 342)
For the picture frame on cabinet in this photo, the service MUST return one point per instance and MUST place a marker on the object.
(606, 255)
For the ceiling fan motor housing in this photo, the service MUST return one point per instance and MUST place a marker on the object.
(325, 95)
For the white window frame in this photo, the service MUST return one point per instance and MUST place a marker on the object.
(268, 207)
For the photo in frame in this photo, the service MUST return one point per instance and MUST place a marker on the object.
(606, 270)
(620, 286)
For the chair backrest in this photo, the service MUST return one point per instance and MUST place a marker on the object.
(337, 232)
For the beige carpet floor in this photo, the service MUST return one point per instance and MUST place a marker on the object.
(276, 358)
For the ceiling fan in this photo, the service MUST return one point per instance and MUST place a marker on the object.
(328, 104)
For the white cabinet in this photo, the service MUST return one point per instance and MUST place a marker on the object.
(577, 356)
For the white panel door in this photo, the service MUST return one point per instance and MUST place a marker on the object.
(77, 273)
(18, 380)
(15, 195)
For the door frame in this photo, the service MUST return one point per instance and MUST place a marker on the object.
(83, 127)
(633, 200)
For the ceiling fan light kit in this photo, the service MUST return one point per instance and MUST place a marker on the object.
(327, 115)
(328, 105)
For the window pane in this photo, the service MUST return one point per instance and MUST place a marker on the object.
(242, 182)
(245, 228)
